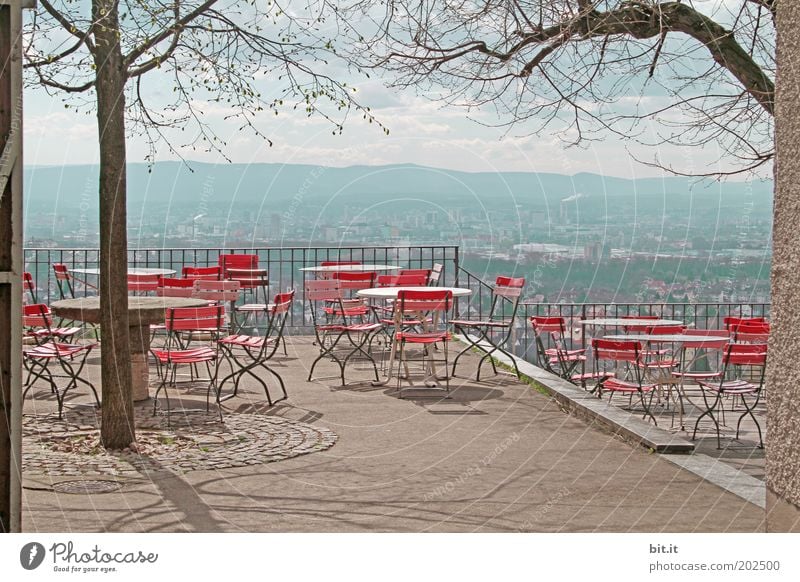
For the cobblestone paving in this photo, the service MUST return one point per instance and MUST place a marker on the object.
(195, 441)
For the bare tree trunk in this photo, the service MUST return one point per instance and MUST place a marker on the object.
(117, 427)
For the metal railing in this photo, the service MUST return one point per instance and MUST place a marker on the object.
(283, 263)
(698, 315)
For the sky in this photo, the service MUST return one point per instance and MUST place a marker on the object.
(422, 131)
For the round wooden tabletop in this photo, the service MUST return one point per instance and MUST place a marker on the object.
(141, 310)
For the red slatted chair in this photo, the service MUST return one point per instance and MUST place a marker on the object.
(401, 281)
(432, 305)
(416, 273)
(252, 280)
(333, 324)
(637, 328)
(436, 275)
(29, 288)
(51, 348)
(751, 332)
(217, 293)
(173, 287)
(660, 355)
(248, 353)
(182, 320)
(735, 356)
(70, 357)
(704, 352)
(37, 321)
(731, 322)
(204, 273)
(63, 281)
(142, 284)
(560, 359)
(617, 353)
(66, 290)
(349, 283)
(492, 333)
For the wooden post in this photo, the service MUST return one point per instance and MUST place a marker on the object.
(11, 266)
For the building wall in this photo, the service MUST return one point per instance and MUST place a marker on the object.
(783, 373)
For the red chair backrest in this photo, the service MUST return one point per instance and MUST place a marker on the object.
(402, 281)
(730, 322)
(746, 354)
(172, 287)
(665, 329)
(207, 273)
(143, 282)
(194, 318)
(509, 286)
(283, 302)
(543, 324)
(355, 280)
(757, 332)
(638, 328)
(216, 290)
(618, 351)
(710, 344)
(231, 261)
(337, 263)
(36, 315)
(416, 272)
(61, 271)
(425, 300)
(323, 290)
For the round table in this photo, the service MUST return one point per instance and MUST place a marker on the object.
(677, 338)
(131, 271)
(391, 292)
(350, 268)
(623, 322)
(142, 311)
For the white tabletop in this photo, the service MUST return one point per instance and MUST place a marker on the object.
(131, 271)
(620, 322)
(350, 268)
(667, 338)
(391, 292)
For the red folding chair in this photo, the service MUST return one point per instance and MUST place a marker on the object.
(492, 333)
(204, 273)
(560, 357)
(29, 288)
(637, 328)
(735, 357)
(333, 322)
(70, 357)
(248, 353)
(751, 332)
(628, 354)
(37, 323)
(63, 281)
(142, 284)
(179, 320)
(432, 305)
(401, 281)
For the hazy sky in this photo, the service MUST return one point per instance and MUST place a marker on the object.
(421, 132)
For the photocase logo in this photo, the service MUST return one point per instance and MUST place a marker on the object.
(31, 555)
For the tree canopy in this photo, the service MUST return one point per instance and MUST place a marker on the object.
(652, 71)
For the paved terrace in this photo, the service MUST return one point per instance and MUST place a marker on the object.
(497, 456)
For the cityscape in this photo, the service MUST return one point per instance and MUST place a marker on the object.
(574, 238)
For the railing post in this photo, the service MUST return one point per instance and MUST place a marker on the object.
(457, 267)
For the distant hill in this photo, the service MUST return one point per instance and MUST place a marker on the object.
(174, 186)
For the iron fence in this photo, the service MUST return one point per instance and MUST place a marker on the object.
(283, 264)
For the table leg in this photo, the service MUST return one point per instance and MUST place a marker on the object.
(140, 369)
